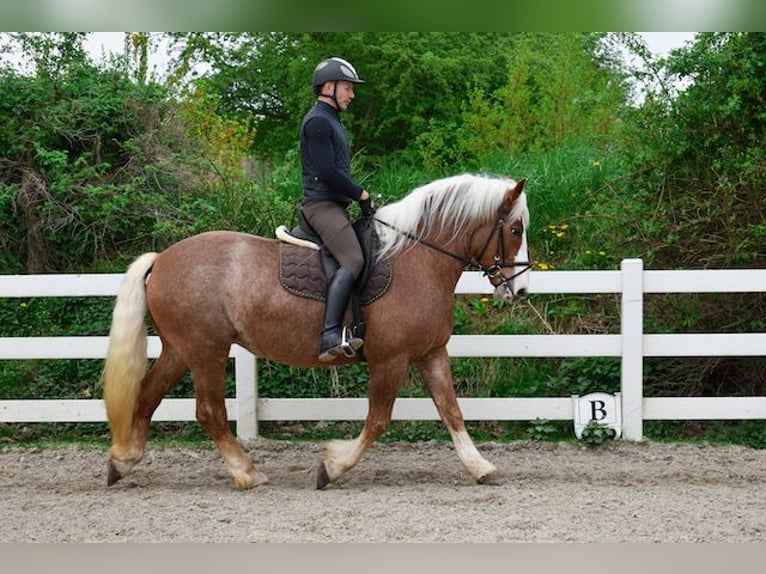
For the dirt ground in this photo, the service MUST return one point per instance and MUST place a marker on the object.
(624, 492)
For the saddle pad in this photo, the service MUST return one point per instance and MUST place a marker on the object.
(301, 273)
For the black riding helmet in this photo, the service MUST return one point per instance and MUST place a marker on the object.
(334, 70)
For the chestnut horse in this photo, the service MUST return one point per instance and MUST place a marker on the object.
(222, 287)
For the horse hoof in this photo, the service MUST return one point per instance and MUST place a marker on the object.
(493, 478)
(251, 480)
(323, 479)
(113, 475)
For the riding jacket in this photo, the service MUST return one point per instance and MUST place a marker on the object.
(326, 157)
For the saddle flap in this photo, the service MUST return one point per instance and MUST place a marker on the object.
(304, 272)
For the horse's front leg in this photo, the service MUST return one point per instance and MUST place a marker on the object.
(340, 456)
(438, 379)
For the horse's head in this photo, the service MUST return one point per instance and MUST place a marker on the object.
(487, 216)
(500, 246)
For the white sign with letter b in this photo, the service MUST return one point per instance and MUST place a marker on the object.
(603, 408)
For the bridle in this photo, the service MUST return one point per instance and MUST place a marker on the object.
(499, 262)
(495, 271)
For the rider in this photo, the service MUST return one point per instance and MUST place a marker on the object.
(327, 192)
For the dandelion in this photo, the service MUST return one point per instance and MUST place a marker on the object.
(558, 231)
(602, 253)
(587, 252)
(484, 299)
(23, 305)
(543, 266)
(596, 163)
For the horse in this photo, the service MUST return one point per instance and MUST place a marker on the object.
(210, 290)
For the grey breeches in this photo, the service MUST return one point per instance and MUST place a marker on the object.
(333, 224)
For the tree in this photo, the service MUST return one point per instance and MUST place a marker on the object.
(689, 195)
(412, 79)
(555, 91)
(701, 155)
(76, 161)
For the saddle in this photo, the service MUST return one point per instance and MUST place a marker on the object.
(306, 268)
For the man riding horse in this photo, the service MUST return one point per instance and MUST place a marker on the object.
(327, 192)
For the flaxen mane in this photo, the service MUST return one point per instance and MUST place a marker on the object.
(448, 204)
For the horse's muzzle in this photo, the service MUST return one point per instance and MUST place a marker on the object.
(505, 292)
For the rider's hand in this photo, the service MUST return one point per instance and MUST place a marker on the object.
(367, 207)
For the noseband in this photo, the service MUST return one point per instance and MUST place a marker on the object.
(495, 271)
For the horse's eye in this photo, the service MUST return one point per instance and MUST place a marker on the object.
(517, 231)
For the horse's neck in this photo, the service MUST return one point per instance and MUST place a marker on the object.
(433, 267)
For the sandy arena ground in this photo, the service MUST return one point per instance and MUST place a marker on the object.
(623, 492)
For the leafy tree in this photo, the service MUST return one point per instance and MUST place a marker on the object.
(555, 92)
(689, 195)
(696, 162)
(95, 165)
(412, 79)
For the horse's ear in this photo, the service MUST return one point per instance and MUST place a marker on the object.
(513, 193)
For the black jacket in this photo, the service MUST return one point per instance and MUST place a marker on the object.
(326, 157)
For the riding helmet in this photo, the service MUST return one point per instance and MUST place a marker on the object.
(333, 70)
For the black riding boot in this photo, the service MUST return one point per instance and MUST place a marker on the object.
(333, 342)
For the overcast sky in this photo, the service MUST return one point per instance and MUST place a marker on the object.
(103, 44)
(662, 42)
(659, 42)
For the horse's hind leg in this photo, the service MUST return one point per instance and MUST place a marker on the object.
(211, 413)
(340, 456)
(438, 379)
(158, 381)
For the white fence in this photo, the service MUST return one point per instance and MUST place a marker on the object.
(632, 345)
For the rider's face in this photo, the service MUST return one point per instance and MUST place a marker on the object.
(344, 92)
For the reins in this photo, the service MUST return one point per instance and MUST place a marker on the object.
(494, 270)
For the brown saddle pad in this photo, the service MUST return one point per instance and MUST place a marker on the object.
(301, 273)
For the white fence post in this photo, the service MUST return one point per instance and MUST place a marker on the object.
(632, 329)
(246, 390)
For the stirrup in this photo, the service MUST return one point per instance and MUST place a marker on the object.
(347, 347)
(349, 344)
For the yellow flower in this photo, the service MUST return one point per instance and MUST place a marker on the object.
(485, 299)
(560, 234)
(23, 305)
(602, 253)
(543, 266)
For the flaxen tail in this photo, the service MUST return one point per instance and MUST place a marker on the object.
(126, 357)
